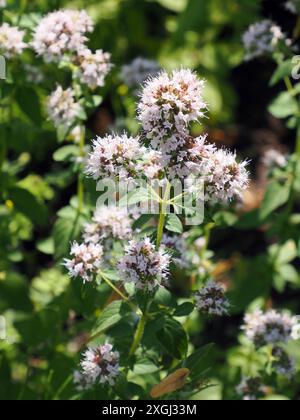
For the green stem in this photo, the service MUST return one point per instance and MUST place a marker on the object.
(80, 186)
(298, 141)
(162, 215)
(110, 284)
(138, 334)
(289, 85)
(296, 33)
(207, 233)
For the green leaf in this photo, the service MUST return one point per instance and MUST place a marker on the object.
(289, 274)
(174, 224)
(284, 106)
(288, 252)
(26, 203)
(65, 153)
(200, 361)
(184, 309)
(164, 297)
(174, 5)
(276, 196)
(110, 316)
(283, 70)
(143, 366)
(29, 103)
(65, 230)
(173, 338)
(63, 132)
(46, 246)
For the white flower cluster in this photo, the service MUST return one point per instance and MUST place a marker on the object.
(153, 164)
(2, 4)
(144, 266)
(114, 156)
(284, 364)
(178, 246)
(227, 178)
(211, 300)
(62, 107)
(251, 389)
(168, 105)
(262, 38)
(273, 158)
(61, 32)
(293, 6)
(270, 327)
(86, 261)
(99, 365)
(93, 67)
(138, 71)
(11, 41)
(108, 222)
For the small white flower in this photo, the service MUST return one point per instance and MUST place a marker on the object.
(62, 107)
(86, 261)
(81, 381)
(270, 327)
(138, 71)
(251, 389)
(2, 4)
(93, 67)
(114, 157)
(212, 300)
(167, 107)
(293, 6)
(262, 38)
(144, 266)
(178, 245)
(273, 158)
(11, 41)
(100, 365)
(108, 222)
(153, 164)
(61, 32)
(33, 74)
(200, 243)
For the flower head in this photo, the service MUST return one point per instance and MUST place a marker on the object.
(225, 178)
(138, 71)
(144, 266)
(293, 6)
(270, 327)
(62, 107)
(100, 365)
(86, 261)
(284, 364)
(93, 67)
(251, 389)
(178, 246)
(61, 32)
(167, 107)
(114, 157)
(11, 41)
(273, 158)
(108, 222)
(212, 300)
(262, 38)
